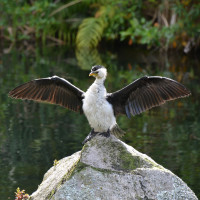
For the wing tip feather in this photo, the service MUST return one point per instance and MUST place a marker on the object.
(50, 90)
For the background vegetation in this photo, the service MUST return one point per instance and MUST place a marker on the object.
(162, 24)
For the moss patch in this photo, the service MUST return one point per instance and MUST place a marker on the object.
(125, 160)
(79, 167)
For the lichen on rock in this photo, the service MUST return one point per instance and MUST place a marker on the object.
(109, 169)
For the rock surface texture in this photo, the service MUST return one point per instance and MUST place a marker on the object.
(108, 169)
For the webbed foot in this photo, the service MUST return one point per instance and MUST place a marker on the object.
(105, 134)
(90, 136)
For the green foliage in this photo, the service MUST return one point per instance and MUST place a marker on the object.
(64, 7)
(90, 32)
(141, 32)
(32, 21)
(164, 24)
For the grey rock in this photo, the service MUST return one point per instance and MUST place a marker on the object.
(109, 169)
(55, 176)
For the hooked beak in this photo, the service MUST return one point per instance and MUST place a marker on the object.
(93, 74)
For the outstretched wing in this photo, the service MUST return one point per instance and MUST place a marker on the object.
(145, 93)
(54, 90)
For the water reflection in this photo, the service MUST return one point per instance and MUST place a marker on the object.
(33, 135)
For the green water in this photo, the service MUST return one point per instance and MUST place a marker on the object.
(33, 135)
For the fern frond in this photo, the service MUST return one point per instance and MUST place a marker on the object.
(90, 32)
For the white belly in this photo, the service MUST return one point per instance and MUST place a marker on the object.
(98, 111)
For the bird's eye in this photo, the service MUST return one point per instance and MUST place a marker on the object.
(95, 70)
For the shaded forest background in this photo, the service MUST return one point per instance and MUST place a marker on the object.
(163, 24)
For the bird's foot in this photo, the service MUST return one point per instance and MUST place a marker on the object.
(105, 134)
(90, 136)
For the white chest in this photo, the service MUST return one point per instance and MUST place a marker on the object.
(97, 109)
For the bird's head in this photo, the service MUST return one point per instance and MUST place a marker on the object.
(99, 72)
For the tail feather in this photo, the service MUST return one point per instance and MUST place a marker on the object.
(116, 131)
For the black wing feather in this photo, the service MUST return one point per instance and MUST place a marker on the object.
(54, 90)
(145, 93)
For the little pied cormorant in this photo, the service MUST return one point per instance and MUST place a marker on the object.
(99, 106)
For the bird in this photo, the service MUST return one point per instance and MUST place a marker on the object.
(100, 107)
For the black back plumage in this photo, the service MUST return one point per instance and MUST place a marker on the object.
(54, 90)
(145, 93)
